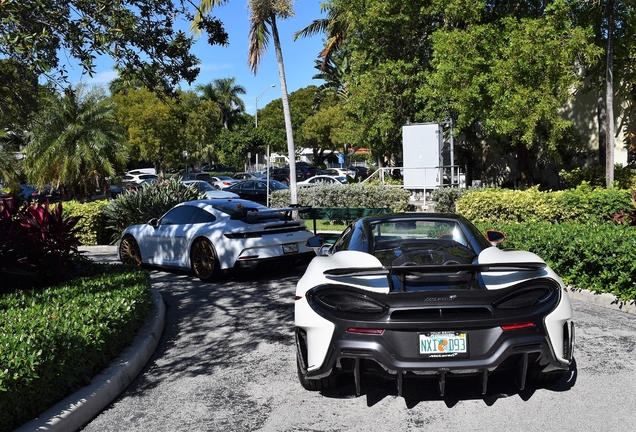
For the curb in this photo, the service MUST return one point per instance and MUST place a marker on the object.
(605, 300)
(99, 249)
(78, 409)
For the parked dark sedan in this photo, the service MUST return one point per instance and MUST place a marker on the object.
(256, 190)
(33, 194)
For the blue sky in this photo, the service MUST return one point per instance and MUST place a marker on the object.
(231, 61)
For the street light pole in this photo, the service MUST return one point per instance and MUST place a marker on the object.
(256, 125)
(256, 104)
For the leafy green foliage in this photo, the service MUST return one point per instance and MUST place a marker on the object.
(598, 257)
(148, 202)
(445, 198)
(583, 204)
(232, 146)
(37, 245)
(353, 195)
(90, 229)
(624, 178)
(75, 143)
(54, 340)
(139, 35)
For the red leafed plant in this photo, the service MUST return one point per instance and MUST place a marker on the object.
(626, 217)
(38, 246)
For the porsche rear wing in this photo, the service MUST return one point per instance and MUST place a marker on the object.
(254, 212)
(450, 270)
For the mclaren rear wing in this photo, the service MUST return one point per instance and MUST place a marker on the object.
(469, 271)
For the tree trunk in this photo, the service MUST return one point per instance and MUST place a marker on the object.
(291, 150)
(609, 95)
(602, 128)
(524, 164)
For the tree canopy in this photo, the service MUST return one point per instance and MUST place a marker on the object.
(141, 36)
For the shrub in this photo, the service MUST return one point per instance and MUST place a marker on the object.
(91, 229)
(583, 204)
(624, 177)
(148, 202)
(598, 257)
(37, 245)
(54, 340)
(445, 198)
(353, 195)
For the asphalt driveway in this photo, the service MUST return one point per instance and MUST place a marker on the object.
(226, 361)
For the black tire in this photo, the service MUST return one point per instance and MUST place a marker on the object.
(310, 384)
(546, 377)
(314, 384)
(203, 260)
(285, 182)
(129, 251)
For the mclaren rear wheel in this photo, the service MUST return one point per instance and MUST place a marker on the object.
(129, 251)
(546, 377)
(310, 384)
(314, 384)
(203, 260)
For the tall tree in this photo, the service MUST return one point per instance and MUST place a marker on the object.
(139, 35)
(511, 71)
(263, 25)
(75, 142)
(388, 50)
(225, 93)
(154, 126)
(334, 26)
(272, 117)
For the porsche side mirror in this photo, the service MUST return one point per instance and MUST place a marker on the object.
(495, 237)
(154, 222)
(315, 241)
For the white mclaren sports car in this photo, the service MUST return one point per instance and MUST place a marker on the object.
(428, 295)
(218, 235)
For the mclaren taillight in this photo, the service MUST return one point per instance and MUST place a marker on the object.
(344, 302)
(517, 326)
(527, 296)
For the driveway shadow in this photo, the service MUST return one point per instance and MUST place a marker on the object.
(416, 390)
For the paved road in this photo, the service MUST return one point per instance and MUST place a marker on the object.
(226, 362)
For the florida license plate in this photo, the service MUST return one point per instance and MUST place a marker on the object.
(290, 248)
(452, 344)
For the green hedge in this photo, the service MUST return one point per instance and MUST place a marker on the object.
(54, 340)
(91, 227)
(583, 204)
(351, 195)
(598, 257)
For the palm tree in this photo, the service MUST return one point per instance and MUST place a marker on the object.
(75, 143)
(334, 26)
(263, 26)
(225, 93)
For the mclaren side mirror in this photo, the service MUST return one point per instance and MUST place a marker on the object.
(495, 237)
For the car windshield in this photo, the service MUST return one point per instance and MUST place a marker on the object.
(205, 186)
(420, 242)
(276, 185)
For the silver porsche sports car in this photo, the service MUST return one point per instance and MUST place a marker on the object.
(218, 235)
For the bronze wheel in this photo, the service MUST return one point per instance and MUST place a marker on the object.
(203, 260)
(129, 251)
